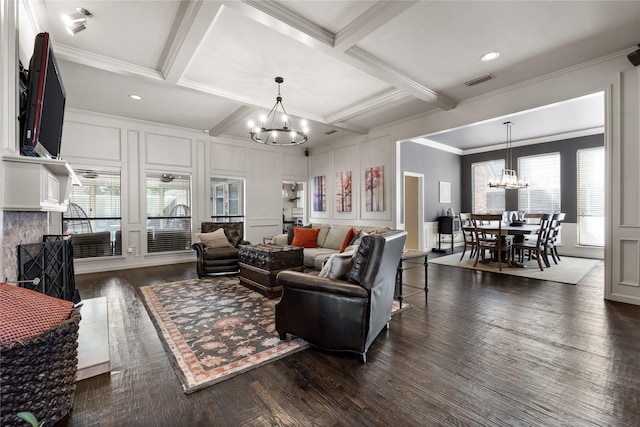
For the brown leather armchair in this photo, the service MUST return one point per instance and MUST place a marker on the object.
(220, 260)
(343, 315)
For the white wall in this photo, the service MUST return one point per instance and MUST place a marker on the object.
(135, 147)
(354, 156)
(621, 82)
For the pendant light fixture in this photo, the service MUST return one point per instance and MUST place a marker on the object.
(509, 179)
(269, 133)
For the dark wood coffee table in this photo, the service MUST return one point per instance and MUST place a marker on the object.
(260, 264)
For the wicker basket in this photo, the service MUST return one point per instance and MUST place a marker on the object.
(38, 374)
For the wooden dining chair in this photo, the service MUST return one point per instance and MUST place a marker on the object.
(533, 218)
(535, 246)
(489, 237)
(552, 237)
(468, 234)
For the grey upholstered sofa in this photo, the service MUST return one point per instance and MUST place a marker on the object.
(330, 239)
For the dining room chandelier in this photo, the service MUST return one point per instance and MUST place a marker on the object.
(270, 133)
(509, 179)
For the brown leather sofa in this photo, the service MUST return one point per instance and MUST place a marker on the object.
(343, 315)
(220, 260)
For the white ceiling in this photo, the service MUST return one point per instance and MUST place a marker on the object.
(348, 66)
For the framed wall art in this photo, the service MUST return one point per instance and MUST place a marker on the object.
(343, 192)
(374, 188)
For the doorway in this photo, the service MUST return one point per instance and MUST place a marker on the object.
(413, 210)
(292, 204)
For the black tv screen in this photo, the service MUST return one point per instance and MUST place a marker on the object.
(43, 113)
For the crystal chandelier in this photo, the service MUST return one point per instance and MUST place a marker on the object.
(269, 133)
(509, 178)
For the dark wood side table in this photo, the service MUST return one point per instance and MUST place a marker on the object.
(409, 260)
(260, 264)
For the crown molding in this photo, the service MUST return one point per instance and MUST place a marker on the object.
(105, 63)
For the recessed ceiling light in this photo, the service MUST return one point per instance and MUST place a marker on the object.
(136, 97)
(490, 56)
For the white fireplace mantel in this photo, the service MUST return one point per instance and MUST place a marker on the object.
(36, 184)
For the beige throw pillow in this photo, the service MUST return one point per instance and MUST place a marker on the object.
(215, 239)
(337, 266)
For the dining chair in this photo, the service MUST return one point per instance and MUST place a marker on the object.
(533, 218)
(489, 237)
(533, 246)
(551, 243)
(468, 234)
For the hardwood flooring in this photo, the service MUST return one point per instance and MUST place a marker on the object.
(485, 350)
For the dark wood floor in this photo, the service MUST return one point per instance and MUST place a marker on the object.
(485, 350)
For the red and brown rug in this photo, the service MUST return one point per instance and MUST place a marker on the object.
(214, 329)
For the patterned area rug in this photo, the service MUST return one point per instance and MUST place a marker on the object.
(214, 329)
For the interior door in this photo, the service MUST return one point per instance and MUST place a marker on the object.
(412, 222)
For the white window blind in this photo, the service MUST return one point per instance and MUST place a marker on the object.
(591, 196)
(485, 199)
(93, 216)
(168, 212)
(227, 199)
(543, 174)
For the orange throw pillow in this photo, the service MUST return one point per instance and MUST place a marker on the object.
(348, 238)
(305, 237)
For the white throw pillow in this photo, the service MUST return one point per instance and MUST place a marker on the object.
(337, 266)
(215, 239)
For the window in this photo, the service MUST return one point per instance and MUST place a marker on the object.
(591, 196)
(93, 216)
(168, 212)
(543, 174)
(227, 199)
(485, 199)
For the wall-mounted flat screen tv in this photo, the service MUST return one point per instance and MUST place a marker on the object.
(43, 114)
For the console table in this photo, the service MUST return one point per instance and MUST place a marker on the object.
(409, 260)
(447, 225)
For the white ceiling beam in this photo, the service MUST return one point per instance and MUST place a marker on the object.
(371, 20)
(243, 100)
(351, 128)
(386, 72)
(239, 114)
(366, 105)
(292, 24)
(285, 21)
(200, 16)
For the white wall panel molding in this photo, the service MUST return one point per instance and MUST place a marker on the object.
(167, 150)
(622, 269)
(200, 188)
(295, 166)
(630, 270)
(91, 141)
(263, 192)
(226, 158)
(131, 176)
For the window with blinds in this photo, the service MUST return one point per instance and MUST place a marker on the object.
(485, 199)
(591, 196)
(93, 215)
(227, 199)
(168, 212)
(543, 174)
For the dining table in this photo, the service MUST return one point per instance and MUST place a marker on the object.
(518, 231)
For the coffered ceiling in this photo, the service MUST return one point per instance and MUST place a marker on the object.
(348, 66)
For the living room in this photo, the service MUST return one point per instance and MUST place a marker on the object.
(138, 147)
